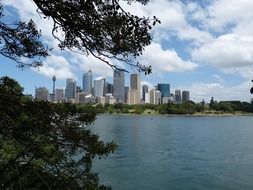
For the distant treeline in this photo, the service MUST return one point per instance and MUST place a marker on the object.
(183, 108)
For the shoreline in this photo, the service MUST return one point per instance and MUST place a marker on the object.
(185, 115)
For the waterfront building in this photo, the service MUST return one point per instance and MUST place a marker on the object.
(133, 97)
(41, 93)
(87, 82)
(80, 97)
(155, 96)
(59, 95)
(108, 88)
(147, 96)
(109, 99)
(152, 96)
(126, 93)
(185, 96)
(99, 84)
(70, 90)
(164, 89)
(177, 96)
(135, 85)
(119, 85)
(101, 100)
(144, 91)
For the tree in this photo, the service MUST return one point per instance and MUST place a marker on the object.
(21, 40)
(100, 28)
(44, 145)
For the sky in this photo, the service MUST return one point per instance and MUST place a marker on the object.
(205, 47)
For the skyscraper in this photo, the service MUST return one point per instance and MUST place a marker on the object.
(108, 88)
(155, 97)
(126, 93)
(164, 89)
(178, 98)
(99, 84)
(119, 86)
(144, 91)
(185, 96)
(135, 85)
(41, 93)
(132, 97)
(59, 95)
(70, 90)
(87, 82)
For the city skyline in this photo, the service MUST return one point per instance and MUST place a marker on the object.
(100, 88)
(197, 47)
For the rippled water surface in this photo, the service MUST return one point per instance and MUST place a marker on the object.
(174, 153)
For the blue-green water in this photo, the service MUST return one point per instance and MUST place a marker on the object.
(187, 153)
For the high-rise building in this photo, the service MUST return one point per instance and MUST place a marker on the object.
(119, 86)
(99, 84)
(144, 91)
(155, 96)
(70, 90)
(185, 96)
(135, 85)
(133, 97)
(126, 93)
(147, 97)
(152, 96)
(59, 95)
(164, 89)
(108, 88)
(41, 93)
(177, 96)
(87, 82)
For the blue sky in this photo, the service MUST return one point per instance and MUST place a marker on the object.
(205, 47)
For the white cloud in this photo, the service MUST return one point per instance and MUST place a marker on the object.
(173, 21)
(230, 52)
(86, 63)
(150, 85)
(56, 65)
(220, 92)
(165, 60)
(229, 12)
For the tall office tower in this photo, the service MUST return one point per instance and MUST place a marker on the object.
(119, 86)
(126, 93)
(59, 95)
(41, 93)
(108, 88)
(152, 96)
(99, 84)
(185, 96)
(144, 91)
(87, 82)
(133, 97)
(158, 97)
(155, 96)
(70, 90)
(147, 97)
(164, 89)
(78, 89)
(135, 85)
(178, 96)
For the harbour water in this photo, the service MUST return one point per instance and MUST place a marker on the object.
(177, 152)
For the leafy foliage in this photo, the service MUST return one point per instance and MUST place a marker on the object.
(21, 41)
(188, 107)
(101, 28)
(46, 146)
